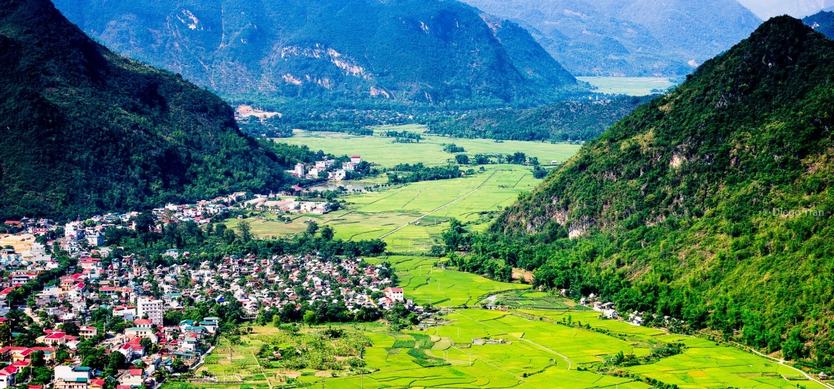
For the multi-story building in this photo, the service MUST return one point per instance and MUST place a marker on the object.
(151, 309)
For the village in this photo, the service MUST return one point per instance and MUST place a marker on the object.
(91, 315)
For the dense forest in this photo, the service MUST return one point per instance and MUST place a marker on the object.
(570, 120)
(83, 130)
(712, 205)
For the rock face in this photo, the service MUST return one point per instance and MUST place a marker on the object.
(83, 130)
(405, 50)
(629, 37)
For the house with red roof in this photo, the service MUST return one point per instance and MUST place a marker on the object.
(7, 376)
(57, 338)
(132, 349)
(132, 378)
(96, 383)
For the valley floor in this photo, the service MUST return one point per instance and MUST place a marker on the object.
(544, 341)
(539, 340)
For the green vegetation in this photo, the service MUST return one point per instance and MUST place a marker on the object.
(578, 119)
(405, 173)
(331, 348)
(83, 130)
(712, 205)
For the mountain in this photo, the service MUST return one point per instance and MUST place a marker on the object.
(83, 130)
(405, 50)
(822, 22)
(713, 204)
(629, 37)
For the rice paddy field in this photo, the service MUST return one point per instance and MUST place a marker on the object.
(385, 152)
(477, 348)
(426, 281)
(409, 218)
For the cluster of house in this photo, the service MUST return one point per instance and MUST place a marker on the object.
(287, 204)
(140, 296)
(122, 286)
(185, 341)
(22, 267)
(201, 212)
(606, 309)
(288, 280)
(329, 167)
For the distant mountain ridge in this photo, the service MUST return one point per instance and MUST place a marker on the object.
(629, 37)
(822, 22)
(433, 51)
(83, 130)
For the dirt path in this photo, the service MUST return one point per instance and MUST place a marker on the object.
(783, 363)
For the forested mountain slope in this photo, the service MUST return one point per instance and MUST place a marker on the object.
(83, 130)
(429, 51)
(712, 204)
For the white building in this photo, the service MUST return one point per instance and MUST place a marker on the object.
(299, 170)
(153, 310)
(395, 294)
(68, 377)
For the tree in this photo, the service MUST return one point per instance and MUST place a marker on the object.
(309, 317)
(37, 359)
(312, 227)
(794, 347)
(456, 237)
(327, 233)
(70, 328)
(115, 362)
(5, 334)
(245, 231)
(61, 355)
(462, 159)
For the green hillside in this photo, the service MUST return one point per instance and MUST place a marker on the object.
(84, 130)
(712, 204)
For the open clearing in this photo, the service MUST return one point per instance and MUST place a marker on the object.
(385, 152)
(411, 217)
(631, 86)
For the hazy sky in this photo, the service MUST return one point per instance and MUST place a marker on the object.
(766, 9)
